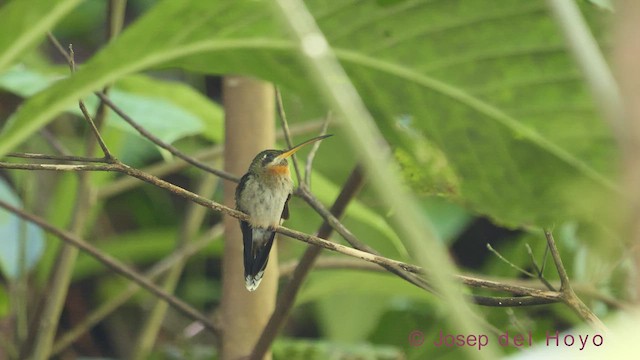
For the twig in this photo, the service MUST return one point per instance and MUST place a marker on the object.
(310, 199)
(353, 241)
(113, 264)
(85, 112)
(287, 135)
(540, 270)
(56, 157)
(496, 253)
(59, 47)
(330, 263)
(62, 167)
(53, 142)
(474, 281)
(568, 295)
(512, 301)
(509, 288)
(310, 239)
(312, 153)
(544, 259)
(562, 273)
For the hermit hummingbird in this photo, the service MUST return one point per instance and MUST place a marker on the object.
(263, 193)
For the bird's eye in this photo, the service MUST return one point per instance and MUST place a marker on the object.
(264, 156)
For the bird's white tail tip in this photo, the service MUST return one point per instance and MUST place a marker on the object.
(252, 282)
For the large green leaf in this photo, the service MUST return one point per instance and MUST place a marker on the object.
(492, 87)
(24, 22)
(150, 102)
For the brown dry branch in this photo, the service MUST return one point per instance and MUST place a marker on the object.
(568, 296)
(310, 239)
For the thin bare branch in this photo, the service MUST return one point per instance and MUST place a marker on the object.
(62, 158)
(54, 143)
(539, 270)
(564, 278)
(475, 281)
(346, 234)
(312, 153)
(568, 295)
(61, 167)
(287, 134)
(306, 194)
(59, 47)
(85, 112)
(496, 253)
(331, 263)
(512, 301)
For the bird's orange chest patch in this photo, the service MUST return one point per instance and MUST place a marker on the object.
(278, 170)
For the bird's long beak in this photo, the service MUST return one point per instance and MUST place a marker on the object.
(294, 149)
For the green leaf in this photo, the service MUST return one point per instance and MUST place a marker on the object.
(492, 88)
(209, 114)
(170, 30)
(168, 110)
(16, 234)
(23, 23)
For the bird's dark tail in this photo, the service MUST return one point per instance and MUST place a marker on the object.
(257, 246)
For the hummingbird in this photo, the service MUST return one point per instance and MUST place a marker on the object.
(263, 193)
